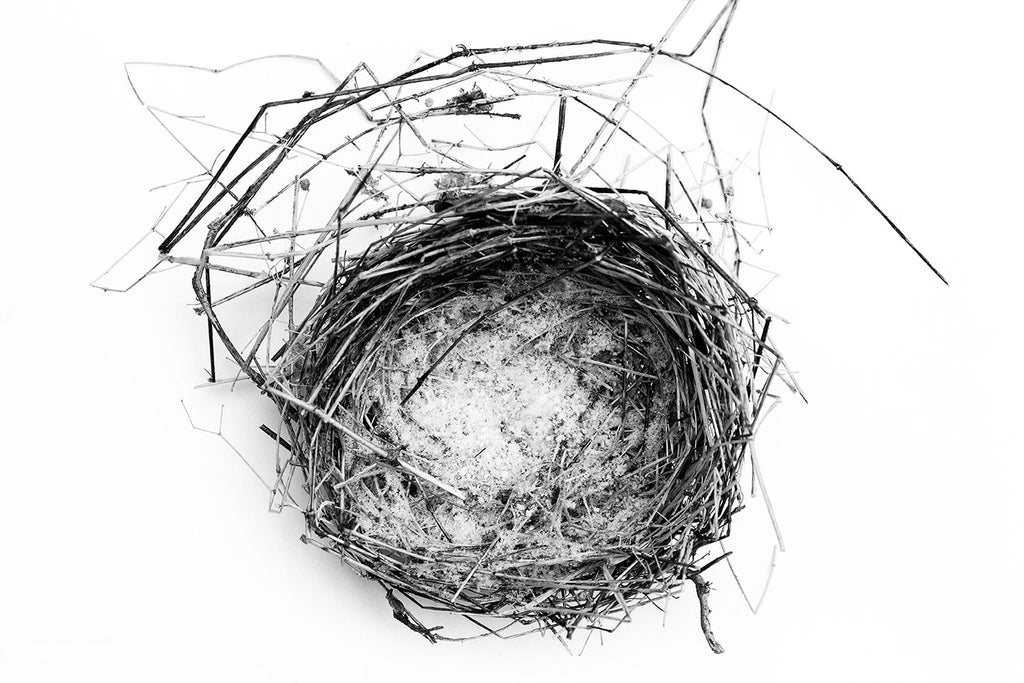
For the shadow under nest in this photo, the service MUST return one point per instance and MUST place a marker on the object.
(697, 352)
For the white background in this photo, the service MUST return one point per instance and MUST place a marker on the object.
(133, 548)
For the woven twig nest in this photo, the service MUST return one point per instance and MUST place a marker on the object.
(696, 347)
(526, 398)
(639, 471)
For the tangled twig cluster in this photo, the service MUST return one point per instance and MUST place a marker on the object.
(475, 222)
(454, 175)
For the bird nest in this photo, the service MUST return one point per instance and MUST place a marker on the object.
(527, 396)
(582, 530)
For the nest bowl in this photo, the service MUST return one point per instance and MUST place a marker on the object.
(703, 345)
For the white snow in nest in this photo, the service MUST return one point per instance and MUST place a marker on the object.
(519, 419)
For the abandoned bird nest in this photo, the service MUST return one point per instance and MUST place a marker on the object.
(595, 461)
(527, 397)
(682, 376)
